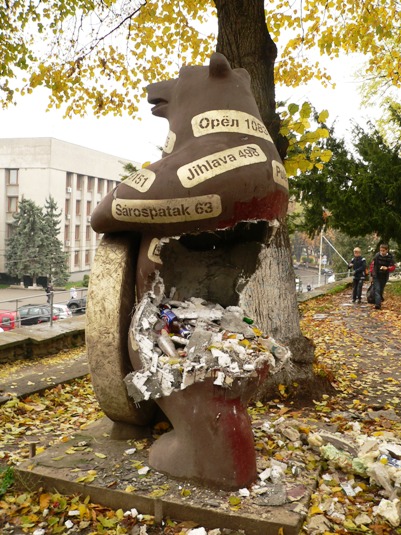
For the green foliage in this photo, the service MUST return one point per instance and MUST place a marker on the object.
(55, 257)
(358, 193)
(74, 284)
(6, 479)
(129, 170)
(306, 259)
(394, 288)
(24, 249)
(85, 282)
(345, 246)
(338, 288)
(101, 54)
(34, 248)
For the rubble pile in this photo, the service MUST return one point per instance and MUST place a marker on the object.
(357, 455)
(183, 342)
(360, 474)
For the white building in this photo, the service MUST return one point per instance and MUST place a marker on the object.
(76, 177)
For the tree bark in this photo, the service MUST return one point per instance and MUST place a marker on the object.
(244, 39)
(270, 295)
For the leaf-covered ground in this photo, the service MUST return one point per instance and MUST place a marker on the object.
(356, 346)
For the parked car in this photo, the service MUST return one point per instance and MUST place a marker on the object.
(9, 320)
(77, 305)
(35, 314)
(62, 311)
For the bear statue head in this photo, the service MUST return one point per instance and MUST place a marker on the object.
(219, 165)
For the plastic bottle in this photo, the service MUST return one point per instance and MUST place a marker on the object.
(166, 344)
(270, 344)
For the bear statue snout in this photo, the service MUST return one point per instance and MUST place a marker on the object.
(159, 94)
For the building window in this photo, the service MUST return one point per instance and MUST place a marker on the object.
(88, 233)
(91, 182)
(99, 185)
(66, 232)
(69, 180)
(88, 208)
(77, 229)
(12, 204)
(80, 180)
(86, 258)
(109, 186)
(76, 258)
(12, 177)
(78, 207)
(10, 231)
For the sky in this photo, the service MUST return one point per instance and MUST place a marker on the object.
(138, 140)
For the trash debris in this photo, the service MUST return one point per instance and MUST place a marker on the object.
(197, 531)
(375, 458)
(143, 471)
(390, 510)
(183, 342)
(132, 512)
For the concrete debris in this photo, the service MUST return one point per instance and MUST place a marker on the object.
(183, 342)
(389, 414)
(375, 458)
(132, 512)
(143, 471)
(290, 432)
(273, 495)
(338, 441)
(390, 510)
(197, 531)
(363, 519)
(319, 316)
(139, 530)
(318, 524)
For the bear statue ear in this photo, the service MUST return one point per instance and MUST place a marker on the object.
(219, 66)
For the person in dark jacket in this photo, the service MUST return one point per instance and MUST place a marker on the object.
(380, 268)
(49, 290)
(358, 264)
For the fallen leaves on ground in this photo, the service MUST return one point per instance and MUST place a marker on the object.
(357, 346)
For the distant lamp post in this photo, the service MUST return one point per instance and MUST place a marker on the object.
(322, 260)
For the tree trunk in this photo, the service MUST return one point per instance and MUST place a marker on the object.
(270, 295)
(244, 39)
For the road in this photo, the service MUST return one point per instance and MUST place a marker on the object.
(12, 298)
(310, 276)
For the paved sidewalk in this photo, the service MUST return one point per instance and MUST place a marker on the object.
(33, 377)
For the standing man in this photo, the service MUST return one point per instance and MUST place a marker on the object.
(358, 264)
(380, 268)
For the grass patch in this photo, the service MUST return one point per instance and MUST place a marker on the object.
(338, 289)
(75, 284)
(394, 288)
(6, 479)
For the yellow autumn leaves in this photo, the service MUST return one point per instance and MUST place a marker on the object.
(304, 153)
